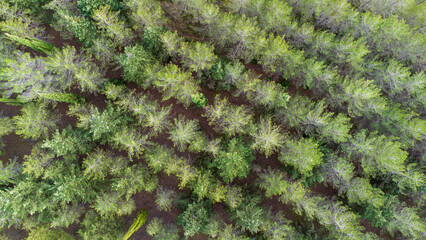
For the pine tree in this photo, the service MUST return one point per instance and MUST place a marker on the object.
(69, 142)
(36, 163)
(268, 137)
(164, 198)
(249, 216)
(185, 132)
(44, 232)
(302, 154)
(194, 219)
(37, 121)
(228, 118)
(100, 163)
(113, 26)
(197, 56)
(145, 13)
(234, 160)
(112, 204)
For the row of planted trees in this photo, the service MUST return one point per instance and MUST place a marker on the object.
(66, 170)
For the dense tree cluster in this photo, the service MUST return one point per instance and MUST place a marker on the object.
(237, 119)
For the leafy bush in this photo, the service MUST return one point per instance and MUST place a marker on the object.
(199, 100)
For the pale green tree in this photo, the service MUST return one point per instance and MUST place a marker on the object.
(37, 121)
(268, 137)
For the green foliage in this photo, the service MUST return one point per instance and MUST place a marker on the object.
(380, 216)
(33, 43)
(173, 82)
(153, 228)
(18, 22)
(16, 101)
(164, 198)
(230, 233)
(157, 157)
(218, 71)
(97, 228)
(137, 223)
(112, 25)
(100, 163)
(133, 179)
(360, 191)
(51, 200)
(186, 133)
(149, 113)
(195, 218)
(6, 126)
(82, 28)
(303, 154)
(273, 183)
(36, 163)
(234, 160)
(212, 229)
(313, 117)
(69, 141)
(276, 227)
(145, 13)
(197, 56)
(63, 97)
(47, 233)
(104, 50)
(338, 171)
(328, 47)
(88, 7)
(249, 216)
(103, 125)
(9, 173)
(229, 118)
(36, 121)
(411, 180)
(268, 137)
(130, 140)
(135, 60)
(172, 42)
(159, 231)
(362, 96)
(112, 204)
(202, 184)
(26, 76)
(408, 222)
(152, 43)
(234, 196)
(34, 8)
(199, 100)
(379, 154)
